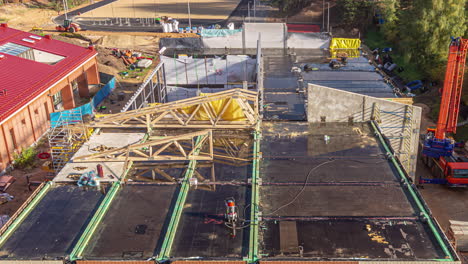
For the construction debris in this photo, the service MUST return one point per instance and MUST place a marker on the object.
(458, 232)
(5, 182)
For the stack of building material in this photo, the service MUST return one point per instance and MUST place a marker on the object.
(458, 231)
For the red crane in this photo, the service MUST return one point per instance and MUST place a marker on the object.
(439, 147)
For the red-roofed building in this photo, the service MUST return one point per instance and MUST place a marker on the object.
(38, 75)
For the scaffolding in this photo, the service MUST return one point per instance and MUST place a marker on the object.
(66, 136)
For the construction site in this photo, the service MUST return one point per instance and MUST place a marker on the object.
(261, 144)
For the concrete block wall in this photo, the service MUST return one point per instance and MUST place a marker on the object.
(400, 123)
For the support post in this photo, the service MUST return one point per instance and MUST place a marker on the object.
(253, 254)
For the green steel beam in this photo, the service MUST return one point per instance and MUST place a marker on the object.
(80, 246)
(93, 224)
(166, 247)
(20, 218)
(417, 200)
(253, 255)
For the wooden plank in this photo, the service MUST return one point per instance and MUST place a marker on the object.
(164, 174)
(288, 237)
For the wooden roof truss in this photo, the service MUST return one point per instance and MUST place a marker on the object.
(173, 115)
(165, 149)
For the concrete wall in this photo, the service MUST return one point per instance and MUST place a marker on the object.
(273, 35)
(31, 122)
(398, 122)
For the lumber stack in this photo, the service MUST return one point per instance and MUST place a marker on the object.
(458, 232)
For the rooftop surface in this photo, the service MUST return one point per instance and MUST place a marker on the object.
(25, 79)
(335, 200)
(284, 89)
(53, 227)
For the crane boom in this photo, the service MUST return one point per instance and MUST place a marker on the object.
(437, 144)
(451, 94)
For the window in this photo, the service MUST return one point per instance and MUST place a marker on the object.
(23, 122)
(57, 98)
(13, 138)
(36, 112)
(30, 53)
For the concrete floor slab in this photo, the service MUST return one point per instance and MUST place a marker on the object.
(116, 169)
(53, 227)
(348, 240)
(134, 226)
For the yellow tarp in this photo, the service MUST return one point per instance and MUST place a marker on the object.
(348, 53)
(232, 113)
(344, 43)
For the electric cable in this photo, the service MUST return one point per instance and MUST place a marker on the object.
(303, 186)
(310, 172)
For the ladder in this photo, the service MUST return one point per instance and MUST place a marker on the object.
(66, 136)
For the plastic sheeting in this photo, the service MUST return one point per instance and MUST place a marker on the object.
(56, 118)
(181, 43)
(308, 40)
(233, 112)
(273, 35)
(345, 43)
(198, 71)
(211, 33)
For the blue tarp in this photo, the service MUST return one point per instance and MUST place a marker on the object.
(212, 33)
(87, 109)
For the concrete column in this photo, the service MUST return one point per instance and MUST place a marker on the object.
(92, 75)
(67, 97)
(83, 88)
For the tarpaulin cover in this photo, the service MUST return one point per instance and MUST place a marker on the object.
(181, 43)
(58, 118)
(232, 113)
(212, 33)
(350, 53)
(345, 43)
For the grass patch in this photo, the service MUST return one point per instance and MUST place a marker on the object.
(26, 159)
(3, 20)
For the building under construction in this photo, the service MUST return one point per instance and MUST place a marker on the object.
(270, 171)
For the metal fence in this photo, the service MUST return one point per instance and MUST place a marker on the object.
(152, 90)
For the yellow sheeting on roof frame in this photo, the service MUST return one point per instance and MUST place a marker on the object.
(345, 43)
(233, 111)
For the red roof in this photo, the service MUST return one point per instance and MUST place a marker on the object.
(303, 28)
(26, 79)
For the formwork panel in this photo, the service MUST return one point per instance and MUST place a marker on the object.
(52, 228)
(338, 239)
(338, 200)
(202, 231)
(336, 197)
(132, 228)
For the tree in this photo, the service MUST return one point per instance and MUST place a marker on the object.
(426, 31)
(390, 11)
(355, 13)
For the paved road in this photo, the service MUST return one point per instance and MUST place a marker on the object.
(238, 16)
